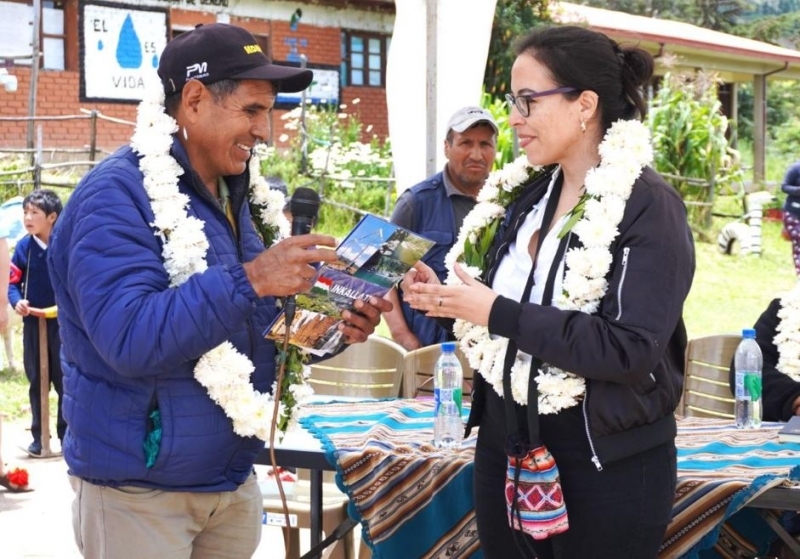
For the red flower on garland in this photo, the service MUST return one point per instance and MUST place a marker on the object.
(18, 477)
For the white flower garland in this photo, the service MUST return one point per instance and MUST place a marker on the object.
(224, 372)
(787, 336)
(624, 152)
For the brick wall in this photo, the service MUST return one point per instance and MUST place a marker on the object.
(370, 109)
(58, 92)
(57, 95)
(322, 45)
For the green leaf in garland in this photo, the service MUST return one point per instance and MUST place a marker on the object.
(574, 216)
(487, 238)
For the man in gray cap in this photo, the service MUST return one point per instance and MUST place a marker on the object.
(436, 208)
(164, 289)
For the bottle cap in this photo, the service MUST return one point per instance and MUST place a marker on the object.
(749, 333)
(448, 346)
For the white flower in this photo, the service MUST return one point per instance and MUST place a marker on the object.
(591, 262)
(223, 371)
(625, 150)
(595, 233)
(453, 279)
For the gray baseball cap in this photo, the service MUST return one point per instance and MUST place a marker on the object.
(468, 117)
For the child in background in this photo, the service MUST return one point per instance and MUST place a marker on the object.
(42, 208)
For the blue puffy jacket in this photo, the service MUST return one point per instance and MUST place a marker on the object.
(130, 342)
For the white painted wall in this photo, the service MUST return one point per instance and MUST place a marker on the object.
(463, 33)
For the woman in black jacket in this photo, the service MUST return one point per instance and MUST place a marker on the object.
(578, 304)
(781, 394)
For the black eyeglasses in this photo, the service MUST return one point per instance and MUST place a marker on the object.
(523, 102)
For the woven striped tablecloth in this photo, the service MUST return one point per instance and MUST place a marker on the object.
(416, 502)
(720, 470)
(412, 500)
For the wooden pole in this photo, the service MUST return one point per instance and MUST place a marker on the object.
(44, 375)
(44, 387)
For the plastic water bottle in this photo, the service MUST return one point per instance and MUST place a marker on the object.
(747, 364)
(448, 429)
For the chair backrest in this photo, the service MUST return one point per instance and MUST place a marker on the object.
(373, 369)
(706, 391)
(418, 373)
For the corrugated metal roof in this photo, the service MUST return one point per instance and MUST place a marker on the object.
(735, 58)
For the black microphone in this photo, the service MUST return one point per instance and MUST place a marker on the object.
(304, 207)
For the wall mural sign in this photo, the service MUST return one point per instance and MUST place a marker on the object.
(324, 89)
(120, 46)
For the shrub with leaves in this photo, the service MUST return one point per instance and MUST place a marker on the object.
(505, 136)
(689, 141)
(338, 164)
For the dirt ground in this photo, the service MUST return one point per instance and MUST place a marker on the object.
(38, 524)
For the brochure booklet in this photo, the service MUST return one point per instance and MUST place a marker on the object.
(373, 257)
(790, 433)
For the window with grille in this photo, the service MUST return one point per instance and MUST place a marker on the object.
(364, 59)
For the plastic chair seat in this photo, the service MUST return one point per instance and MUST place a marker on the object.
(334, 512)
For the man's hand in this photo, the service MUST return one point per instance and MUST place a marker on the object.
(286, 268)
(396, 322)
(408, 340)
(357, 326)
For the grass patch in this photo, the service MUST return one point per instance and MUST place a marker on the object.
(730, 292)
(14, 404)
(13, 394)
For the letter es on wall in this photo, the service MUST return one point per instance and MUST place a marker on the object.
(120, 48)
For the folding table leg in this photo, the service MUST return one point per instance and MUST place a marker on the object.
(777, 527)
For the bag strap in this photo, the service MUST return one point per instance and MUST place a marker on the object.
(515, 445)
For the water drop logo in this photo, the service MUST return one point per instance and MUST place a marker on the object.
(155, 61)
(129, 48)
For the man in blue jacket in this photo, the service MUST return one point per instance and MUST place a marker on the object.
(162, 282)
(436, 208)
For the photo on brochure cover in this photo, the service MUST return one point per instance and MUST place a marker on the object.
(372, 258)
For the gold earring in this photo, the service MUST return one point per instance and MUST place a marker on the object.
(583, 126)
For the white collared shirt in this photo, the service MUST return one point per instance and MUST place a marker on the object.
(514, 268)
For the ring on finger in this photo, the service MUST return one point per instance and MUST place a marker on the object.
(440, 301)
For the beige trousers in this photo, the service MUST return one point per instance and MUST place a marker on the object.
(138, 523)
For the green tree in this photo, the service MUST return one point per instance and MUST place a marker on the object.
(782, 30)
(720, 15)
(679, 10)
(782, 109)
(512, 19)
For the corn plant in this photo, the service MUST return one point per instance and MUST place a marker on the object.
(690, 143)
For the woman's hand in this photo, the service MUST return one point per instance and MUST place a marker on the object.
(472, 301)
(420, 273)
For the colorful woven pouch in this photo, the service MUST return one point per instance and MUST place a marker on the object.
(534, 500)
